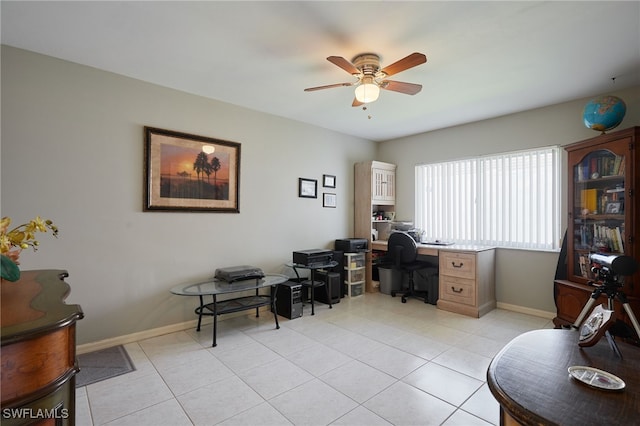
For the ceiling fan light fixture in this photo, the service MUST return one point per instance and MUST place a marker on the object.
(367, 92)
(371, 78)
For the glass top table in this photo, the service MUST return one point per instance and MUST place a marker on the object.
(217, 307)
(213, 286)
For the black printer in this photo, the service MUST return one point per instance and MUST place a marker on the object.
(313, 257)
(238, 273)
(351, 245)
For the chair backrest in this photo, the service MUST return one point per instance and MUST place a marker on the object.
(402, 248)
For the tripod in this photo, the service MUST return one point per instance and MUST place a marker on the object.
(610, 286)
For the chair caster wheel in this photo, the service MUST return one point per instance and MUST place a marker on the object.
(404, 300)
(393, 294)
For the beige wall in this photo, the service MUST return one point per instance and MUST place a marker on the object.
(72, 151)
(523, 278)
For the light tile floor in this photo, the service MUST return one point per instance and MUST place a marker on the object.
(370, 360)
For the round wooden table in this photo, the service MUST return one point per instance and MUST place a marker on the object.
(529, 378)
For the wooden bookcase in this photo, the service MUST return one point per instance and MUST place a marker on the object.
(603, 214)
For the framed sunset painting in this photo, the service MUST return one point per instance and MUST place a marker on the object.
(186, 172)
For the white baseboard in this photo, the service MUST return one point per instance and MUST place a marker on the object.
(528, 311)
(134, 337)
(154, 332)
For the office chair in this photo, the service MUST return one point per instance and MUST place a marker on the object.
(402, 251)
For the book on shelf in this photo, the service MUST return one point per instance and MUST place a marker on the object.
(585, 265)
(602, 237)
(616, 164)
(620, 239)
(589, 200)
(614, 241)
(604, 165)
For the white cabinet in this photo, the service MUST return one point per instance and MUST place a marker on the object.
(383, 183)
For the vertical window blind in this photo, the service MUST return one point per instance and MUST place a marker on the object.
(506, 200)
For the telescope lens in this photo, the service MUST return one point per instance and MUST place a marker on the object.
(624, 265)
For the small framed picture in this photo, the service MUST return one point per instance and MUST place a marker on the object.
(614, 207)
(307, 188)
(328, 181)
(329, 200)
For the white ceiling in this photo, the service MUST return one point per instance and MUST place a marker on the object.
(485, 59)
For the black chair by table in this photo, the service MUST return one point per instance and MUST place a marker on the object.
(402, 252)
(312, 283)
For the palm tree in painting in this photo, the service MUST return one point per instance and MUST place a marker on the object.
(201, 165)
(215, 166)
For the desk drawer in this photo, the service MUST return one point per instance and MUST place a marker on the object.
(462, 265)
(458, 290)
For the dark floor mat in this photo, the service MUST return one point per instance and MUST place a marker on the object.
(103, 364)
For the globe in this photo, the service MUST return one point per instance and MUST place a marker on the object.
(604, 113)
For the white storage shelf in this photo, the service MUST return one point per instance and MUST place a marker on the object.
(354, 260)
(355, 273)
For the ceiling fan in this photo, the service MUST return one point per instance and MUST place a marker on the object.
(371, 78)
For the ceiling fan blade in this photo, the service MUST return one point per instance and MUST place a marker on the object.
(356, 103)
(399, 86)
(329, 86)
(405, 63)
(344, 64)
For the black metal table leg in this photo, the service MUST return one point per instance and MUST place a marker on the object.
(199, 312)
(313, 285)
(257, 309)
(215, 320)
(273, 304)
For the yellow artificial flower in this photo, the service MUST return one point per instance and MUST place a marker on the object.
(22, 237)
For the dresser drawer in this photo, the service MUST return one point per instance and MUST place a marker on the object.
(462, 265)
(458, 290)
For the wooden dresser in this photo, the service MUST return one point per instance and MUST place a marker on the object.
(38, 357)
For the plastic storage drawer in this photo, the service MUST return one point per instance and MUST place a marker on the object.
(356, 290)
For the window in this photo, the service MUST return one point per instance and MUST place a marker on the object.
(506, 200)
